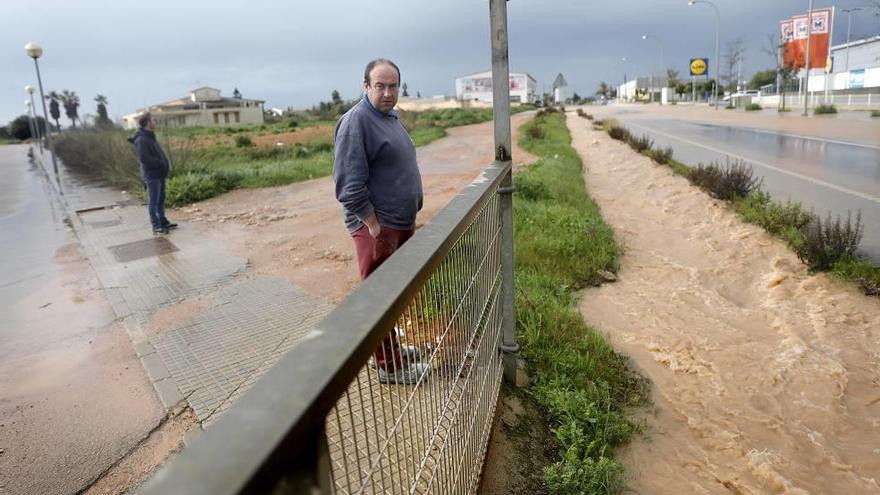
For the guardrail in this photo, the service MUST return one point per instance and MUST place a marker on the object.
(321, 421)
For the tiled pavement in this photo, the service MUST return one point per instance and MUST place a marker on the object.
(243, 324)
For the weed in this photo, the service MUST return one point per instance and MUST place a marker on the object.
(751, 107)
(663, 157)
(733, 180)
(824, 109)
(825, 242)
(535, 132)
(243, 141)
(641, 144)
(783, 219)
(875, 113)
(619, 133)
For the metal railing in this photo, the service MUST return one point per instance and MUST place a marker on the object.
(321, 421)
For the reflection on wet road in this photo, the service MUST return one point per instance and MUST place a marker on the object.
(824, 175)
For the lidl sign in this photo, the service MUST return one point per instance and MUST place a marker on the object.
(699, 66)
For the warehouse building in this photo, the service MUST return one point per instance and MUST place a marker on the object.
(523, 87)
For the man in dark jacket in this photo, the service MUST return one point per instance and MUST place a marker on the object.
(154, 170)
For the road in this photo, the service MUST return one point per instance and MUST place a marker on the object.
(73, 396)
(833, 175)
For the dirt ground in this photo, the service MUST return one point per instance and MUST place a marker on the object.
(296, 231)
(765, 377)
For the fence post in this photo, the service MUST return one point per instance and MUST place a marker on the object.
(501, 110)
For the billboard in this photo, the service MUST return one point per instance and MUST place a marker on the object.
(699, 67)
(484, 84)
(794, 33)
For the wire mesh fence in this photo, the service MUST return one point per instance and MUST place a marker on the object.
(429, 432)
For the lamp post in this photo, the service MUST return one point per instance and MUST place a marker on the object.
(717, 38)
(809, 40)
(619, 96)
(30, 104)
(34, 51)
(31, 123)
(848, 25)
(646, 37)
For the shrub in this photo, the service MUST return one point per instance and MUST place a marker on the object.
(292, 123)
(864, 273)
(619, 133)
(191, 187)
(751, 107)
(783, 219)
(535, 132)
(243, 141)
(826, 242)
(824, 109)
(530, 187)
(640, 144)
(728, 181)
(875, 113)
(663, 157)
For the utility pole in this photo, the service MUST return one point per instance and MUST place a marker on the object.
(809, 39)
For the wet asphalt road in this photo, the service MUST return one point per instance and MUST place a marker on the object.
(825, 175)
(73, 396)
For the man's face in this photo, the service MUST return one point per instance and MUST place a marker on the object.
(151, 125)
(383, 87)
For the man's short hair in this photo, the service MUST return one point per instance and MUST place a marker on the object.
(144, 119)
(379, 61)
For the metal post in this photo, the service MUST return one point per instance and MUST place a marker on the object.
(36, 122)
(501, 110)
(694, 90)
(46, 116)
(809, 40)
(827, 68)
(32, 124)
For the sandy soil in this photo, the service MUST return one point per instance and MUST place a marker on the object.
(766, 378)
(845, 126)
(296, 231)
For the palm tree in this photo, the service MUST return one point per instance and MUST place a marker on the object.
(603, 89)
(101, 100)
(70, 100)
(54, 98)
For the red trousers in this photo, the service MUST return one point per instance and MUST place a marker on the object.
(372, 252)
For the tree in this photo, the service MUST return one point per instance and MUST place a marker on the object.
(603, 89)
(70, 100)
(335, 98)
(54, 111)
(733, 59)
(762, 78)
(102, 120)
(405, 93)
(784, 72)
(672, 79)
(20, 128)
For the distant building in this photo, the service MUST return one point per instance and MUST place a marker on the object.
(203, 107)
(860, 69)
(560, 89)
(640, 89)
(523, 87)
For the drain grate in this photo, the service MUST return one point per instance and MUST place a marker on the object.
(146, 248)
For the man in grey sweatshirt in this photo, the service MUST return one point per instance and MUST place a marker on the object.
(379, 185)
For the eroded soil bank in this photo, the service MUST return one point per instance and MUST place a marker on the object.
(766, 378)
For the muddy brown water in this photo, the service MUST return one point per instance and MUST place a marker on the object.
(765, 377)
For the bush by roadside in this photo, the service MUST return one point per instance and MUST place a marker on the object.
(752, 107)
(824, 109)
(823, 245)
(562, 245)
(875, 113)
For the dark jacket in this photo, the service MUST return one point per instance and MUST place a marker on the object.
(375, 169)
(154, 163)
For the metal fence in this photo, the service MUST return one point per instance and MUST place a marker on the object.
(321, 420)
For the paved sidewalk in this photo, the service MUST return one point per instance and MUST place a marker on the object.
(243, 324)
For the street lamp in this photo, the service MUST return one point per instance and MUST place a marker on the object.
(645, 37)
(34, 51)
(848, 24)
(30, 104)
(31, 123)
(717, 37)
(809, 40)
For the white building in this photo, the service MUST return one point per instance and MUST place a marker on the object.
(560, 89)
(203, 107)
(523, 87)
(640, 89)
(857, 70)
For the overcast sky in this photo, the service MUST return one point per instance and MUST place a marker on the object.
(294, 53)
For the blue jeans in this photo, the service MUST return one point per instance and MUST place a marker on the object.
(156, 202)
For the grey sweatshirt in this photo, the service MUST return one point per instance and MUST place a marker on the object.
(375, 169)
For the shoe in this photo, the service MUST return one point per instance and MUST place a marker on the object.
(160, 230)
(170, 225)
(409, 354)
(408, 375)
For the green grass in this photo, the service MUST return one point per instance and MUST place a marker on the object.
(583, 386)
(8, 141)
(875, 113)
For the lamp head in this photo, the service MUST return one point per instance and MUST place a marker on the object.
(644, 36)
(29, 89)
(33, 50)
(691, 2)
(27, 104)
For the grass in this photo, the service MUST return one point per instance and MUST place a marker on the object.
(208, 161)
(8, 141)
(875, 113)
(752, 107)
(583, 386)
(823, 245)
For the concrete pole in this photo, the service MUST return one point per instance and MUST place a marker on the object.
(503, 140)
(809, 40)
(32, 124)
